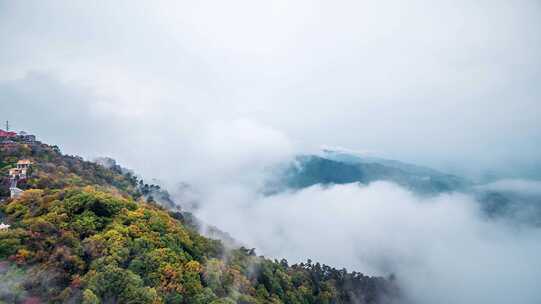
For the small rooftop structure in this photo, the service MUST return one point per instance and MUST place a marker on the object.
(4, 226)
(15, 192)
(21, 136)
(13, 172)
(22, 169)
(28, 138)
(7, 134)
(24, 163)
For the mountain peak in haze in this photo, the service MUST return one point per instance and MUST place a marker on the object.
(358, 157)
(342, 166)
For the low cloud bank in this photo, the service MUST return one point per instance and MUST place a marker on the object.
(441, 249)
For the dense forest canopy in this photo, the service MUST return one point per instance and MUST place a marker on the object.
(82, 232)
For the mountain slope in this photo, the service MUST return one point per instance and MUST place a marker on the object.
(84, 233)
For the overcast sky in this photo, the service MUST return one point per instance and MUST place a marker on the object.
(450, 84)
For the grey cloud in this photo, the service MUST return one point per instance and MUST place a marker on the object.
(441, 249)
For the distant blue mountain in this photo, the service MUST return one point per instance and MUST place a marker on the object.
(352, 158)
(520, 201)
(335, 167)
(338, 167)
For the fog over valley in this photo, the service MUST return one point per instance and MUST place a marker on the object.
(397, 140)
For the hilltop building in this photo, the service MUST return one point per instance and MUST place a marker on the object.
(11, 139)
(25, 137)
(22, 170)
(6, 135)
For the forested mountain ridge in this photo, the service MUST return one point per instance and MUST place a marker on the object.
(85, 233)
(329, 169)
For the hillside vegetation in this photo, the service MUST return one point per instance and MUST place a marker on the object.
(84, 233)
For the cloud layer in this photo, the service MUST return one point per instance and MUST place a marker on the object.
(441, 248)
